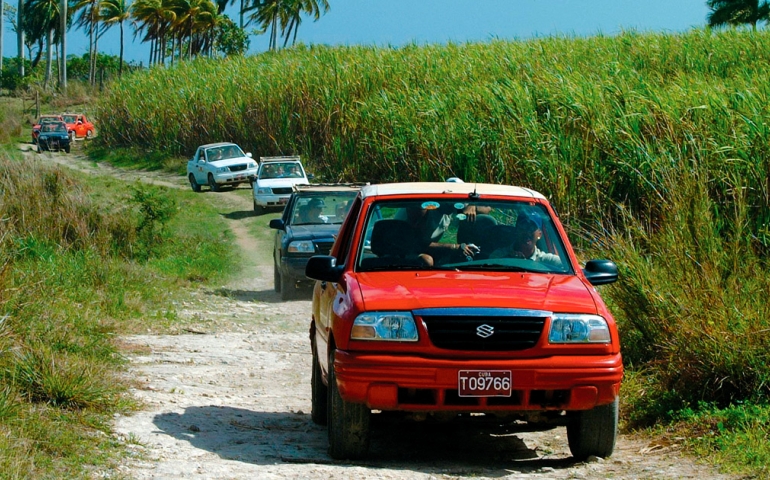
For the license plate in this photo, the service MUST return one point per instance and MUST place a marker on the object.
(484, 383)
(283, 200)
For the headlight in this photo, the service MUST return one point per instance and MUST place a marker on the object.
(223, 169)
(391, 326)
(264, 191)
(301, 246)
(577, 328)
(252, 165)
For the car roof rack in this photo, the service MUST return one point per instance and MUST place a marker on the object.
(309, 186)
(294, 158)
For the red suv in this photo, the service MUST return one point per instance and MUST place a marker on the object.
(461, 300)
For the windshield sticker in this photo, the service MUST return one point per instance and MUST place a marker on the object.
(430, 205)
(461, 216)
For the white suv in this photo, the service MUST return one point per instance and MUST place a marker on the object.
(217, 164)
(275, 179)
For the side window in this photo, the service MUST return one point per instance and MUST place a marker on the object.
(342, 248)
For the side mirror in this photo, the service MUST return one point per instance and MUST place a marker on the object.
(248, 154)
(277, 224)
(310, 176)
(601, 272)
(324, 268)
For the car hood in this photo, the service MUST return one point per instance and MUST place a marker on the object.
(54, 135)
(312, 232)
(423, 289)
(281, 182)
(228, 162)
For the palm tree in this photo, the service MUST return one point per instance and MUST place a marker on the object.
(737, 12)
(294, 10)
(155, 17)
(112, 12)
(89, 19)
(285, 15)
(267, 15)
(43, 24)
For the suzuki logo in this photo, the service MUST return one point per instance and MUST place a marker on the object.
(485, 331)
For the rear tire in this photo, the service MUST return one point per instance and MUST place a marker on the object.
(193, 183)
(348, 422)
(213, 185)
(39, 148)
(593, 432)
(89, 134)
(319, 394)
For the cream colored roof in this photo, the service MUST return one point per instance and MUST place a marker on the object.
(448, 187)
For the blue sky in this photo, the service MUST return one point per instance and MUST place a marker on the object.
(399, 22)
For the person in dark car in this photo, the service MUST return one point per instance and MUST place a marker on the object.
(312, 212)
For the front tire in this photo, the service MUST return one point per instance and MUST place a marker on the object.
(319, 395)
(193, 183)
(258, 209)
(593, 432)
(348, 422)
(39, 148)
(67, 149)
(213, 185)
(287, 288)
(89, 134)
(276, 279)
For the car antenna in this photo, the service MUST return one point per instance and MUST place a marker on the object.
(474, 195)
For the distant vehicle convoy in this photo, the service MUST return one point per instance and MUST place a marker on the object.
(78, 126)
(220, 164)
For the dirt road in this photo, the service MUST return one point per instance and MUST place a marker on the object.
(232, 400)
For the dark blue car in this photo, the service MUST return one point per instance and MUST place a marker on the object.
(53, 137)
(308, 226)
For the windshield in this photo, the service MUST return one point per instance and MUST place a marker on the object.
(317, 208)
(70, 118)
(55, 127)
(461, 235)
(281, 170)
(223, 153)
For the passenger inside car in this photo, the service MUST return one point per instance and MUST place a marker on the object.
(523, 241)
(312, 212)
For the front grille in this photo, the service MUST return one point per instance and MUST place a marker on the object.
(324, 248)
(238, 168)
(282, 190)
(508, 333)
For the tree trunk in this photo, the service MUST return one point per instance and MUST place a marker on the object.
(120, 66)
(48, 59)
(2, 32)
(20, 36)
(63, 54)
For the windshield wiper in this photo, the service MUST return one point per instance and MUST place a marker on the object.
(394, 268)
(491, 266)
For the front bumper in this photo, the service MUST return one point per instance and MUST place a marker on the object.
(412, 383)
(235, 177)
(272, 200)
